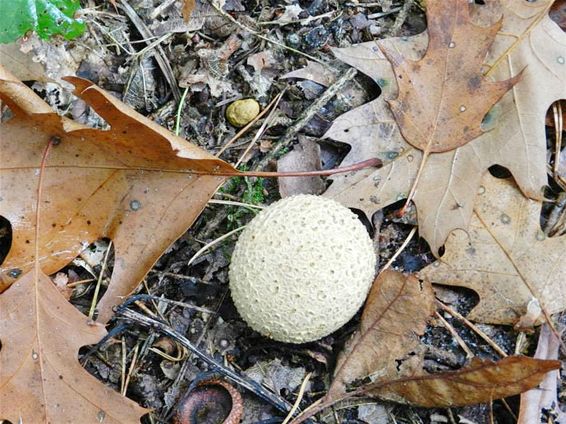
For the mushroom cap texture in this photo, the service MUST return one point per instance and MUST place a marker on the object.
(301, 269)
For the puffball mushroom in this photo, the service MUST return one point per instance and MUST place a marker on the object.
(301, 269)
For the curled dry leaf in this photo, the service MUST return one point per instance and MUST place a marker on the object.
(41, 380)
(135, 183)
(480, 382)
(504, 256)
(545, 396)
(395, 314)
(515, 136)
(443, 97)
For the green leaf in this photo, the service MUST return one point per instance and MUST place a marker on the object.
(47, 17)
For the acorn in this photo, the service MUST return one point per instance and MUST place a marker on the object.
(242, 112)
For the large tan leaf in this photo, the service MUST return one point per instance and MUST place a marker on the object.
(135, 183)
(41, 380)
(395, 314)
(449, 182)
(505, 257)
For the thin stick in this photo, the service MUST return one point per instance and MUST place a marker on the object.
(261, 129)
(472, 327)
(401, 248)
(78, 283)
(299, 399)
(461, 342)
(212, 243)
(243, 381)
(559, 127)
(130, 370)
(179, 110)
(246, 128)
(181, 355)
(123, 368)
(233, 203)
(99, 282)
(263, 37)
(160, 55)
(307, 115)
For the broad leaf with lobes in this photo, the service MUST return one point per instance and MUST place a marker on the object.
(136, 183)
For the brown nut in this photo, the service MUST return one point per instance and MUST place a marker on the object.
(212, 401)
(242, 112)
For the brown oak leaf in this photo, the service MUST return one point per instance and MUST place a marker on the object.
(504, 256)
(514, 137)
(135, 183)
(395, 314)
(444, 96)
(41, 380)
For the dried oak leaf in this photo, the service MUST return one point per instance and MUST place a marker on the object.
(504, 256)
(394, 316)
(479, 382)
(514, 137)
(443, 97)
(135, 183)
(41, 380)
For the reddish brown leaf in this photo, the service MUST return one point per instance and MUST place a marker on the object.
(480, 382)
(395, 314)
(135, 183)
(444, 96)
(41, 380)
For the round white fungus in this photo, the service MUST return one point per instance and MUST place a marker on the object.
(301, 269)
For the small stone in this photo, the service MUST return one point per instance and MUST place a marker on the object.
(242, 112)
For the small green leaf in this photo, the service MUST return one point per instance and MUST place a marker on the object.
(47, 17)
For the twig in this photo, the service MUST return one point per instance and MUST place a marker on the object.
(299, 399)
(179, 110)
(232, 203)
(160, 55)
(136, 298)
(558, 128)
(261, 129)
(242, 381)
(472, 327)
(307, 115)
(461, 342)
(401, 248)
(212, 243)
(130, 370)
(263, 37)
(401, 18)
(99, 282)
(247, 127)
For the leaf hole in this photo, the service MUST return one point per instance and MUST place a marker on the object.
(5, 238)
